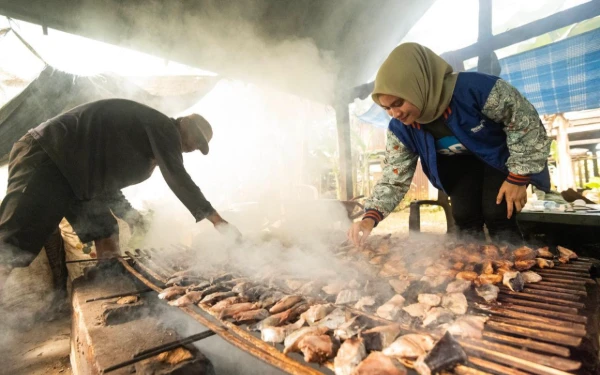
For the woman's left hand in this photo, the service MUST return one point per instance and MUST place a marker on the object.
(515, 196)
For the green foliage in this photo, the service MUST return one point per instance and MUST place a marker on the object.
(594, 183)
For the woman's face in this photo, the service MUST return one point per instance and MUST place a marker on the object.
(399, 108)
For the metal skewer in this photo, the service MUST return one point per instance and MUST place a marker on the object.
(159, 349)
(124, 294)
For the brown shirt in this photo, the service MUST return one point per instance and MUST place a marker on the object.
(104, 146)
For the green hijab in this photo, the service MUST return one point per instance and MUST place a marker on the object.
(416, 74)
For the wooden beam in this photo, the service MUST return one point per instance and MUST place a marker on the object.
(345, 148)
(536, 28)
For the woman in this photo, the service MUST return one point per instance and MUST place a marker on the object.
(478, 138)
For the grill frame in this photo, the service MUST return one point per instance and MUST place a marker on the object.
(485, 356)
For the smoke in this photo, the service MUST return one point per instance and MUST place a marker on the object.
(229, 39)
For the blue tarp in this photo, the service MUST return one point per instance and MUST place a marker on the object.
(560, 77)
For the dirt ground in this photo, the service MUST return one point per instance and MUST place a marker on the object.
(39, 349)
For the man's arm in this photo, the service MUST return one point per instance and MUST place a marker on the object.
(166, 146)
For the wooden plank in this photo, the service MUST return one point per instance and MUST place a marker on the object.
(564, 286)
(558, 325)
(535, 297)
(572, 267)
(560, 273)
(555, 289)
(540, 305)
(466, 370)
(561, 295)
(145, 268)
(494, 367)
(556, 279)
(539, 325)
(553, 337)
(549, 314)
(510, 360)
(542, 359)
(528, 343)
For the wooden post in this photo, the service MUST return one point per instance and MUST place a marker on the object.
(345, 148)
(566, 179)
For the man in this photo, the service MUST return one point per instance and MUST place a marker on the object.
(75, 164)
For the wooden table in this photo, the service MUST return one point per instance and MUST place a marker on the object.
(578, 230)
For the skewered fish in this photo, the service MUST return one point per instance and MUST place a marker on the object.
(348, 296)
(487, 267)
(467, 275)
(380, 337)
(216, 297)
(285, 303)
(435, 281)
(455, 302)
(250, 315)
(349, 329)
(524, 253)
(430, 299)
(236, 308)
(365, 303)
(318, 349)
(267, 300)
(417, 310)
(468, 325)
(242, 287)
(392, 309)
(221, 305)
(197, 287)
(446, 354)
(293, 339)
(334, 288)
(531, 277)
(488, 292)
(524, 265)
(544, 263)
(566, 253)
(335, 319)
(411, 345)
(378, 363)
(190, 298)
(278, 334)
(172, 292)
(436, 316)
(514, 280)
(490, 252)
(544, 252)
(183, 280)
(458, 285)
(351, 353)
(317, 312)
(399, 286)
(488, 279)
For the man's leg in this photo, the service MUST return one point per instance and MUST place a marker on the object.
(36, 200)
(462, 177)
(499, 227)
(93, 221)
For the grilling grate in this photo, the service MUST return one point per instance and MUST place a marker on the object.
(549, 328)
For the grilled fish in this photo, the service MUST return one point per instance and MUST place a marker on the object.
(190, 298)
(318, 348)
(293, 339)
(285, 303)
(222, 305)
(378, 363)
(429, 299)
(351, 353)
(317, 312)
(457, 286)
(278, 334)
(455, 302)
(566, 253)
(250, 315)
(172, 292)
(488, 292)
(409, 346)
(230, 311)
(216, 297)
(531, 277)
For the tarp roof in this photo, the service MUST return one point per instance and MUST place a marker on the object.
(54, 92)
(248, 40)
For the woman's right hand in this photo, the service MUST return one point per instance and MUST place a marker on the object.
(363, 227)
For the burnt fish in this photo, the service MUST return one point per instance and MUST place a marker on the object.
(216, 297)
(446, 354)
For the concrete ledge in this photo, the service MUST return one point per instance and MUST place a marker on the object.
(96, 346)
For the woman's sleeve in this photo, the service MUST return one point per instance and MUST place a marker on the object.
(526, 138)
(399, 169)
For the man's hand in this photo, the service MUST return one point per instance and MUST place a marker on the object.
(224, 227)
(515, 196)
(365, 227)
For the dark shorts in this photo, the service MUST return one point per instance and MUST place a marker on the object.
(38, 197)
